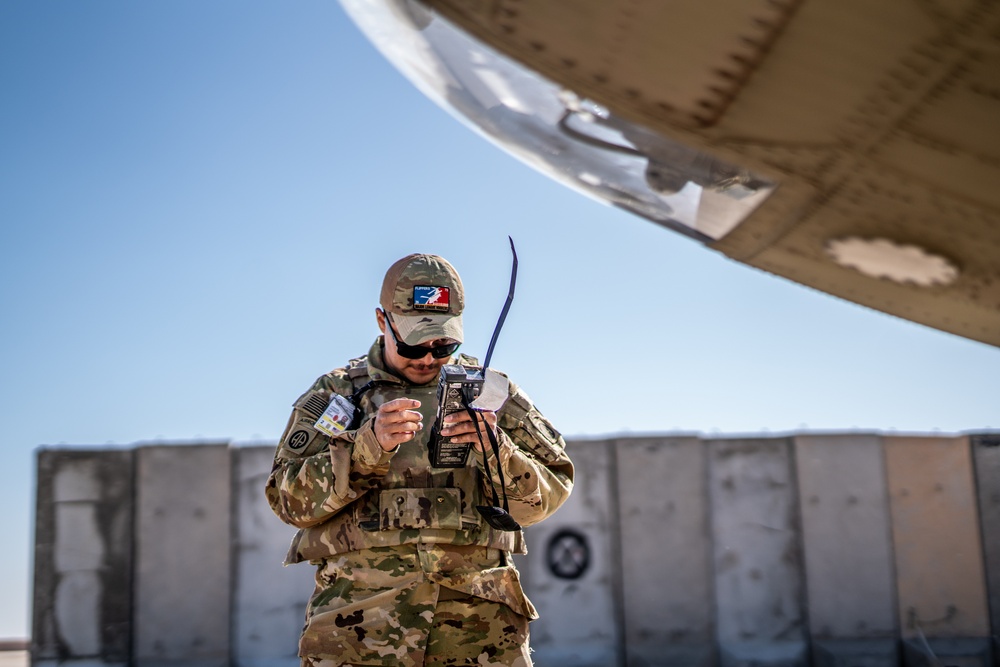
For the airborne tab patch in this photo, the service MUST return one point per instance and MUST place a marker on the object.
(430, 297)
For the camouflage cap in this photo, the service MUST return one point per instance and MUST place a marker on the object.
(426, 298)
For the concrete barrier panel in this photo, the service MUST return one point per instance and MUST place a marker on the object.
(986, 455)
(83, 557)
(757, 555)
(855, 653)
(269, 600)
(947, 653)
(572, 566)
(939, 565)
(666, 553)
(850, 580)
(163, 556)
(183, 569)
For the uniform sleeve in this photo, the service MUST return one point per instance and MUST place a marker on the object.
(537, 472)
(315, 476)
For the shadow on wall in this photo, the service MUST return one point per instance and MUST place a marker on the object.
(835, 549)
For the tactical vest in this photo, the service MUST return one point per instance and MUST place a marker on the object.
(414, 502)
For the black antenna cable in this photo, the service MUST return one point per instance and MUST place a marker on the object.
(506, 305)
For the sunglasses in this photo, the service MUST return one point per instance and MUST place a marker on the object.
(419, 351)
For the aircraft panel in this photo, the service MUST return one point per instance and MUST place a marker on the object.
(850, 146)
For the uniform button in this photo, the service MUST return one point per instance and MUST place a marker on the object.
(440, 499)
(399, 500)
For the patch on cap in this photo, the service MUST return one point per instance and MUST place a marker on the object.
(430, 297)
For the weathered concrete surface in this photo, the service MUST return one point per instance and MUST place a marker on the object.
(666, 552)
(208, 586)
(947, 652)
(757, 554)
(986, 456)
(855, 653)
(183, 570)
(83, 556)
(935, 528)
(847, 548)
(269, 600)
(580, 618)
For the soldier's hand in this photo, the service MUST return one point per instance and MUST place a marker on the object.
(397, 422)
(459, 427)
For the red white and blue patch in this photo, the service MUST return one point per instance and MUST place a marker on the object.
(429, 297)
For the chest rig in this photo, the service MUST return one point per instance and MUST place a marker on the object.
(413, 495)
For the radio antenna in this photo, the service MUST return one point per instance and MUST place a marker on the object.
(506, 305)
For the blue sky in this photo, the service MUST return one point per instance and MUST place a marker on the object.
(198, 202)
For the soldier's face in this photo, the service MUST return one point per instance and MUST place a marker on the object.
(418, 371)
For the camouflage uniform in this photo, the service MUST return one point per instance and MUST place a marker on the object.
(408, 573)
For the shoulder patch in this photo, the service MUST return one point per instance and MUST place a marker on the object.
(298, 439)
(313, 403)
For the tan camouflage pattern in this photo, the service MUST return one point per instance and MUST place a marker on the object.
(420, 269)
(471, 632)
(420, 508)
(414, 324)
(388, 531)
(464, 632)
(380, 606)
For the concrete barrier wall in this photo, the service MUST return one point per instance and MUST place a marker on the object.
(268, 599)
(83, 557)
(986, 455)
(936, 532)
(850, 585)
(666, 561)
(847, 550)
(757, 555)
(183, 564)
(572, 569)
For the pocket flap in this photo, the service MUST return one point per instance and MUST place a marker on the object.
(420, 508)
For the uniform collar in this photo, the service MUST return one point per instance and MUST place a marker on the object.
(376, 364)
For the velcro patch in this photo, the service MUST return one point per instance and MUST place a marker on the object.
(430, 297)
(298, 439)
(314, 405)
(420, 508)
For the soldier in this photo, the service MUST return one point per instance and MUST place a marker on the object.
(408, 571)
